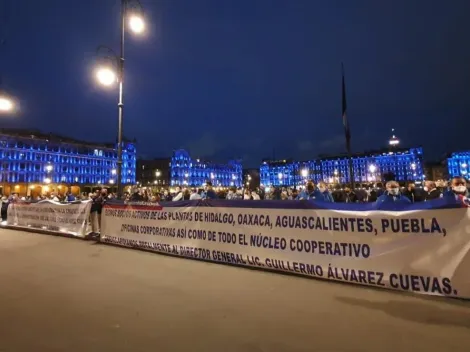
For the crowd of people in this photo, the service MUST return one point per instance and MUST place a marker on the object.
(391, 192)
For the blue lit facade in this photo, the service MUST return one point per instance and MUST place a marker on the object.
(32, 157)
(186, 171)
(458, 164)
(404, 164)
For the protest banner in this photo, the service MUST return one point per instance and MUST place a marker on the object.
(422, 248)
(66, 218)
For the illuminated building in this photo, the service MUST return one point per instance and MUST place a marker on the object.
(29, 156)
(186, 171)
(155, 172)
(458, 164)
(277, 173)
(398, 164)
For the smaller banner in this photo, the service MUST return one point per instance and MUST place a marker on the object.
(68, 218)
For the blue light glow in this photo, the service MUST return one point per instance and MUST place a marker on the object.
(32, 159)
(405, 165)
(458, 164)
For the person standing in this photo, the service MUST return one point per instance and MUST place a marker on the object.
(431, 191)
(392, 194)
(209, 191)
(458, 188)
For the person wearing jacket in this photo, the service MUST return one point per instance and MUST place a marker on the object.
(458, 188)
(178, 195)
(210, 193)
(431, 191)
(323, 188)
(4, 208)
(311, 193)
(393, 195)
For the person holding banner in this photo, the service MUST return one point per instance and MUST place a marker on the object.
(209, 192)
(392, 194)
(431, 191)
(323, 188)
(458, 188)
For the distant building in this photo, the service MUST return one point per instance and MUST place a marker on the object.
(155, 172)
(186, 171)
(391, 163)
(399, 164)
(31, 160)
(458, 164)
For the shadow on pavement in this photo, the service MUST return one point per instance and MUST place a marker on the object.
(415, 311)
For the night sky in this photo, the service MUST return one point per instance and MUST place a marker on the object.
(241, 78)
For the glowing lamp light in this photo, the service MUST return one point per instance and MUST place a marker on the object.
(32, 187)
(279, 175)
(47, 180)
(372, 168)
(158, 173)
(413, 166)
(106, 76)
(304, 173)
(111, 182)
(464, 165)
(336, 172)
(155, 182)
(186, 175)
(212, 175)
(136, 24)
(49, 168)
(113, 172)
(6, 104)
(46, 188)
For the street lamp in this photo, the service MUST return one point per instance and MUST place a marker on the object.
(49, 168)
(372, 168)
(136, 24)
(105, 75)
(304, 173)
(131, 11)
(6, 104)
(158, 173)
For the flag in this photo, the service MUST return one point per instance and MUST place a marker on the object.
(347, 132)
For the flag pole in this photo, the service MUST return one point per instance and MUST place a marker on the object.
(347, 131)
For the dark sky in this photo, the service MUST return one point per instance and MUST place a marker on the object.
(228, 78)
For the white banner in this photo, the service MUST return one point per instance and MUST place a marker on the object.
(69, 218)
(422, 251)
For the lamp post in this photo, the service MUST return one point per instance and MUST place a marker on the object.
(131, 10)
